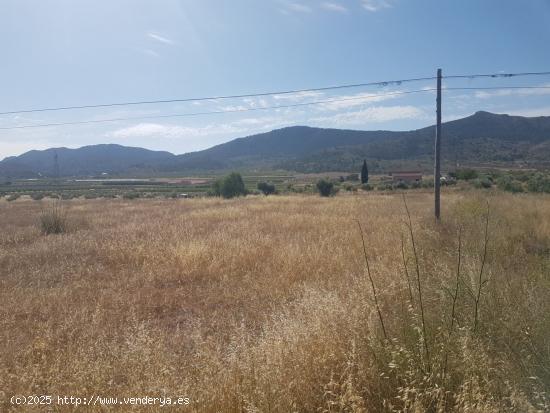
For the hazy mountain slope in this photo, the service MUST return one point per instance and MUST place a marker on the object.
(89, 160)
(266, 149)
(481, 138)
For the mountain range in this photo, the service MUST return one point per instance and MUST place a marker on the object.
(480, 139)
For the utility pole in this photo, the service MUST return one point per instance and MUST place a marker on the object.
(437, 166)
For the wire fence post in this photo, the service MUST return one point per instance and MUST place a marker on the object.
(437, 157)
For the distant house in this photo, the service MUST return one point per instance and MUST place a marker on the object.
(407, 176)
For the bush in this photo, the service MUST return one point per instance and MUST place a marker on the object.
(12, 197)
(401, 185)
(325, 188)
(482, 183)
(367, 187)
(465, 174)
(37, 196)
(130, 195)
(349, 187)
(538, 183)
(385, 187)
(230, 186)
(54, 219)
(427, 183)
(509, 184)
(266, 188)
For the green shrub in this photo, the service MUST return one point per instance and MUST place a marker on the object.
(37, 196)
(230, 186)
(464, 174)
(482, 183)
(349, 187)
(53, 220)
(509, 184)
(266, 188)
(427, 183)
(12, 197)
(385, 187)
(538, 183)
(325, 188)
(131, 195)
(367, 187)
(401, 185)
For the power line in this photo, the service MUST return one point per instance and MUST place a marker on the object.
(217, 112)
(496, 87)
(250, 95)
(283, 92)
(496, 75)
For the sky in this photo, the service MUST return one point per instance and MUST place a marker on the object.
(60, 53)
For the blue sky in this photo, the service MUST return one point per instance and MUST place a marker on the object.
(66, 52)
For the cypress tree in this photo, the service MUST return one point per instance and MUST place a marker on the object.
(364, 173)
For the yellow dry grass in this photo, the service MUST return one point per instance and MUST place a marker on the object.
(264, 305)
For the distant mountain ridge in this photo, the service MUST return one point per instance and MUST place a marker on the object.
(483, 137)
(87, 160)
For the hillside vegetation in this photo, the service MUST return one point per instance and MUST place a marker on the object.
(265, 304)
(483, 138)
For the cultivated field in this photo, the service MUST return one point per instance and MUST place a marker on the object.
(264, 304)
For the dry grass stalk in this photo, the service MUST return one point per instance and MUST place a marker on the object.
(372, 282)
(418, 281)
(405, 266)
(481, 282)
(53, 220)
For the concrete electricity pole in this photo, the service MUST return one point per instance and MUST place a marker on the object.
(437, 160)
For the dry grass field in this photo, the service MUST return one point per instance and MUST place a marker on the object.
(266, 305)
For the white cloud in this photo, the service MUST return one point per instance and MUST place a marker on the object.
(330, 6)
(160, 38)
(375, 5)
(348, 101)
(299, 96)
(375, 114)
(543, 111)
(234, 108)
(150, 52)
(18, 148)
(299, 7)
(294, 7)
(482, 94)
(255, 102)
(157, 130)
(163, 131)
